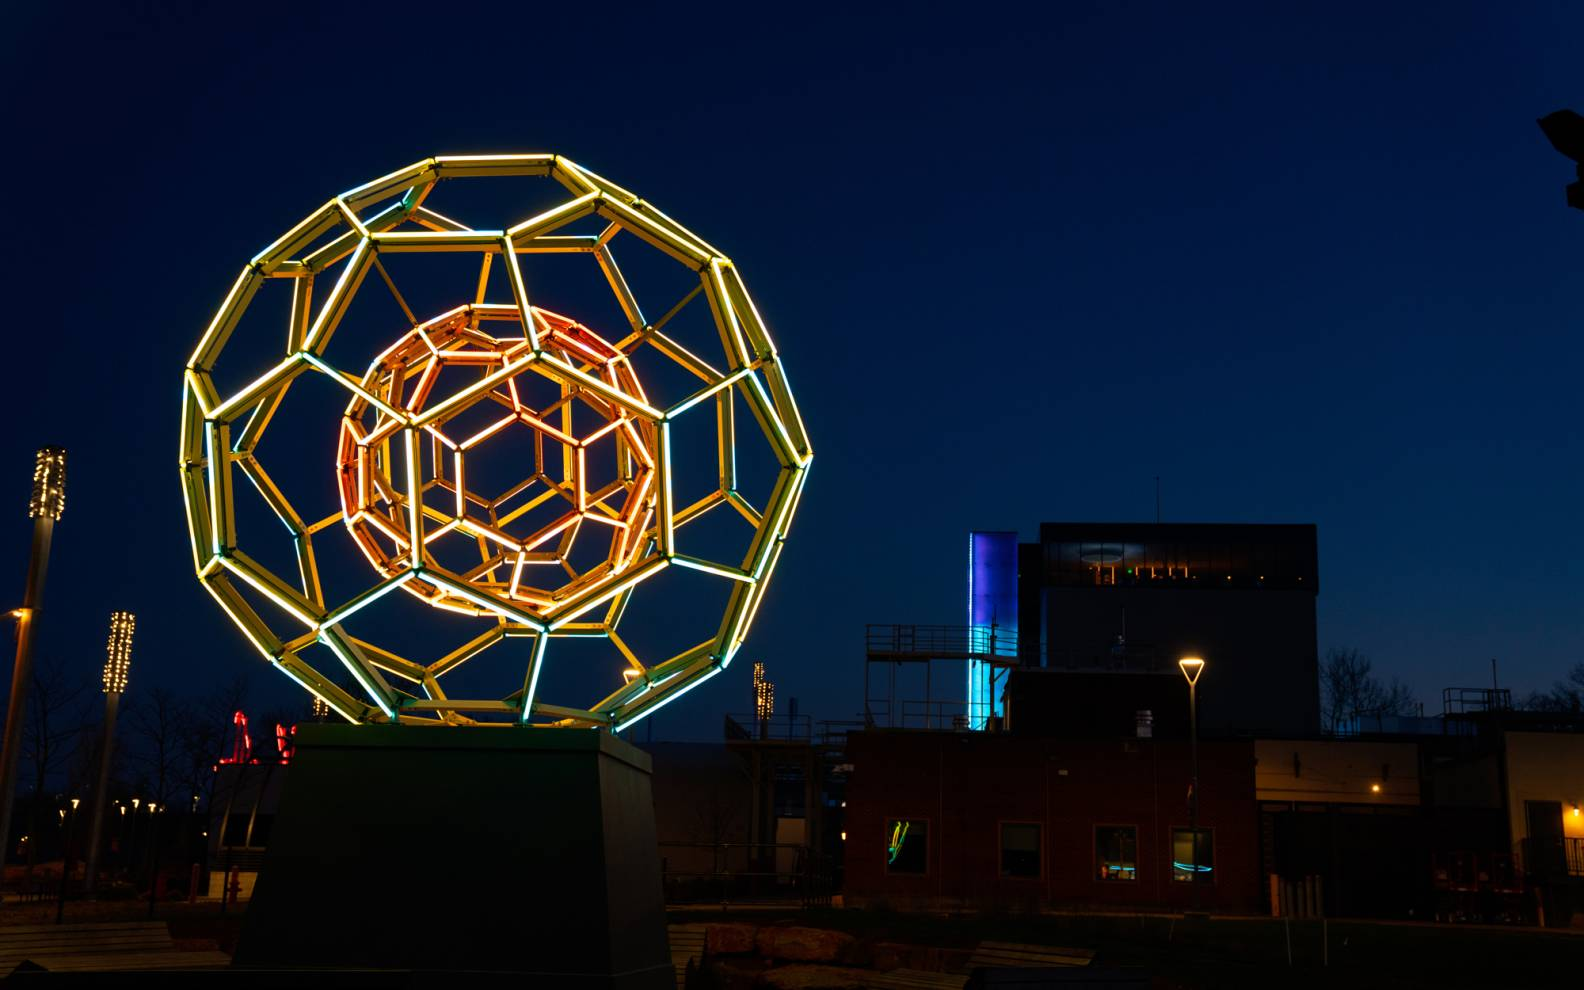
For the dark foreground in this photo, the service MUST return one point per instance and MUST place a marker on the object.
(1177, 952)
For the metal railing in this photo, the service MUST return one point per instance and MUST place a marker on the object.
(1574, 853)
(778, 728)
(939, 714)
(745, 873)
(1463, 701)
(939, 642)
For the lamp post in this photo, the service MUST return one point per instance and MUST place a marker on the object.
(1191, 668)
(69, 818)
(764, 700)
(154, 855)
(118, 662)
(1565, 130)
(44, 507)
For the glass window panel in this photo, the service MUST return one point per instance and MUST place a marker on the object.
(907, 845)
(235, 830)
(1020, 850)
(1116, 852)
(1190, 859)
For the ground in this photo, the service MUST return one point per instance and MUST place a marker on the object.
(1239, 952)
(1185, 953)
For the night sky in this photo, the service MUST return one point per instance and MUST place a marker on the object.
(1305, 266)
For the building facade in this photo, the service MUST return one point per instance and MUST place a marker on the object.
(1137, 596)
(943, 818)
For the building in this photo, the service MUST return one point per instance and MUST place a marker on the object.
(938, 818)
(1134, 597)
(1060, 777)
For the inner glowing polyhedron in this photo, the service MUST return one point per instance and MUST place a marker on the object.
(448, 400)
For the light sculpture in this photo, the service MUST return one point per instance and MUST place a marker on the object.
(118, 665)
(118, 652)
(49, 484)
(602, 474)
(764, 694)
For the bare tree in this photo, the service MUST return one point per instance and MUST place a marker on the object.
(1348, 688)
(205, 734)
(1566, 695)
(60, 709)
(159, 723)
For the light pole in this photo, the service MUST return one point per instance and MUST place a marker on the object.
(764, 700)
(44, 507)
(1191, 668)
(154, 854)
(60, 899)
(1565, 130)
(118, 662)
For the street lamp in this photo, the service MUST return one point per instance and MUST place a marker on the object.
(68, 816)
(118, 662)
(45, 506)
(1565, 130)
(1191, 668)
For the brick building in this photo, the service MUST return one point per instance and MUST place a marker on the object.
(971, 817)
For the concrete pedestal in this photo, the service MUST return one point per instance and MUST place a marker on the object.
(518, 850)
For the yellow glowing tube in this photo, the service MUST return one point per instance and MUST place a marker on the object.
(225, 321)
(360, 668)
(399, 181)
(222, 517)
(725, 319)
(624, 296)
(474, 166)
(340, 297)
(254, 628)
(312, 227)
(550, 220)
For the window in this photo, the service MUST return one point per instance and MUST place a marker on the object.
(1116, 852)
(236, 830)
(261, 831)
(1020, 850)
(907, 845)
(1193, 855)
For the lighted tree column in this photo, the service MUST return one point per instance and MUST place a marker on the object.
(45, 507)
(118, 663)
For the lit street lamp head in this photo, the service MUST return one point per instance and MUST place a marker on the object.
(1191, 668)
(49, 484)
(1565, 130)
(118, 654)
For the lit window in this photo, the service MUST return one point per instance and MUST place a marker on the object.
(1020, 850)
(1193, 859)
(1116, 852)
(907, 845)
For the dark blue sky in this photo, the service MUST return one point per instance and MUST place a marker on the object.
(1307, 265)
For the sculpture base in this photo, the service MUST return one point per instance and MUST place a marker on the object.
(515, 850)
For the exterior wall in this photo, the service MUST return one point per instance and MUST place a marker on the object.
(1240, 596)
(1545, 767)
(702, 798)
(966, 785)
(1337, 771)
(1262, 669)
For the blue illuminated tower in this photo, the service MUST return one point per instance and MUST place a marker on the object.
(992, 619)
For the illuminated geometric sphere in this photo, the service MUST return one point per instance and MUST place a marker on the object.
(590, 513)
(524, 553)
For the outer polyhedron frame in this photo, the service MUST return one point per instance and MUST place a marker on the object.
(220, 435)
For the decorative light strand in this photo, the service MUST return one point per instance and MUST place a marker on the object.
(118, 652)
